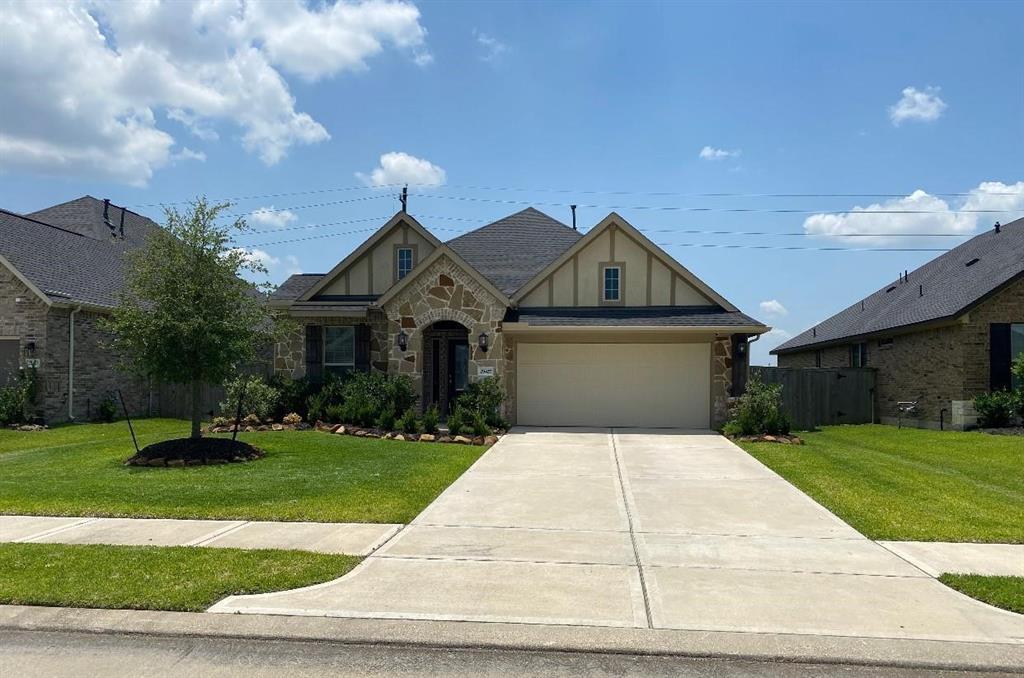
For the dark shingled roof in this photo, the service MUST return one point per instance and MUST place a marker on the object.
(67, 266)
(949, 285)
(646, 316)
(293, 288)
(85, 216)
(511, 251)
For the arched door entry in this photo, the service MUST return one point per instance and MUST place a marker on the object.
(445, 365)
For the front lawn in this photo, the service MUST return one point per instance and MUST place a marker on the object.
(1004, 592)
(151, 577)
(910, 484)
(306, 475)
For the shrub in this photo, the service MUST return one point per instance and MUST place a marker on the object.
(369, 395)
(995, 410)
(409, 423)
(431, 418)
(17, 398)
(758, 411)
(258, 397)
(292, 396)
(292, 418)
(478, 422)
(485, 396)
(458, 421)
(325, 400)
(107, 411)
(385, 421)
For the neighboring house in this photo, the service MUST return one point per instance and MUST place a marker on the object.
(60, 270)
(940, 335)
(602, 329)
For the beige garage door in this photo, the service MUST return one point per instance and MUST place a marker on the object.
(613, 385)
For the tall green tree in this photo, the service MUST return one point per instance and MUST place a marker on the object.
(186, 315)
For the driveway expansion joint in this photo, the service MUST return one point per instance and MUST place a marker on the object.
(627, 500)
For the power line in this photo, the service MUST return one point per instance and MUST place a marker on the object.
(304, 207)
(805, 249)
(678, 208)
(567, 191)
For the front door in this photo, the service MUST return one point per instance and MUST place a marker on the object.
(458, 370)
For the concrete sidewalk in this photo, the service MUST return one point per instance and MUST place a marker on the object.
(640, 529)
(936, 558)
(358, 539)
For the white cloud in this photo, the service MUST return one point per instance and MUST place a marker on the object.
(268, 216)
(920, 212)
(402, 168)
(773, 307)
(491, 46)
(711, 153)
(924, 105)
(278, 268)
(759, 350)
(89, 77)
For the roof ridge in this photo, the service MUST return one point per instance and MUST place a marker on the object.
(43, 223)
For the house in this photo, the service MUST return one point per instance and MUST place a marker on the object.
(939, 335)
(601, 329)
(60, 270)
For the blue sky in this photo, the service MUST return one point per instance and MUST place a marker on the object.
(598, 104)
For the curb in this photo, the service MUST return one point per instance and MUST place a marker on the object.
(788, 648)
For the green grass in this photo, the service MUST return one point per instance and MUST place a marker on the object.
(153, 577)
(1004, 592)
(306, 475)
(910, 484)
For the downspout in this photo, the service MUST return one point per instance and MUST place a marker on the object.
(71, 363)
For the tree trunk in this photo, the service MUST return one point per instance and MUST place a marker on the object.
(196, 414)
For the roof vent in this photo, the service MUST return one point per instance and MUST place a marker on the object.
(890, 289)
(972, 262)
(997, 227)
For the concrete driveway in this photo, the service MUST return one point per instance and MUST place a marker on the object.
(640, 528)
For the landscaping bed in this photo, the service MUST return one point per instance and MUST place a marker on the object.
(154, 577)
(909, 484)
(361, 432)
(192, 452)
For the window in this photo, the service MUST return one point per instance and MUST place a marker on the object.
(404, 262)
(1016, 350)
(612, 283)
(817, 358)
(859, 355)
(339, 350)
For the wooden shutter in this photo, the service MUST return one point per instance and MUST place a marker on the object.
(999, 356)
(315, 353)
(362, 348)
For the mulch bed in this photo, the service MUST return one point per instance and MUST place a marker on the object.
(363, 432)
(1007, 431)
(765, 438)
(195, 452)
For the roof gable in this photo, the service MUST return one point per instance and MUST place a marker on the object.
(942, 289)
(364, 252)
(512, 250)
(614, 221)
(443, 251)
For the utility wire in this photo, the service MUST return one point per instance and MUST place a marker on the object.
(678, 208)
(568, 191)
(805, 249)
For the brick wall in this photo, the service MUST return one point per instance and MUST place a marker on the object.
(22, 316)
(936, 366)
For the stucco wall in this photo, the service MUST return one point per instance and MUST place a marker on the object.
(374, 271)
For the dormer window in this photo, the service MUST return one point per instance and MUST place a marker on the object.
(611, 283)
(405, 259)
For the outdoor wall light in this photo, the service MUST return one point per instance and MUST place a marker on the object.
(403, 341)
(30, 349)
(482, 341)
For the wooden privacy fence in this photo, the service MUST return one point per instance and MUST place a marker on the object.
(822, 396)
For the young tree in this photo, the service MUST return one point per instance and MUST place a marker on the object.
(185, 315)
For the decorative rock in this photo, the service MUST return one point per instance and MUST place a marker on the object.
(388, 436)
(251, 420)
(490, 440)
(335, 427)
(291, 418)
(462, 440)
(263, 427)
(237, 459)
(341, 430)
(427, 438)
(399, 436)
(194, 462)
(176, 462)
(302, 426)
(277, 427)
(478, 440)
(158, 461)
(444, 438)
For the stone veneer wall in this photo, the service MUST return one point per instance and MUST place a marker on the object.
(290, 351)
(445, 292)
(721, 379)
